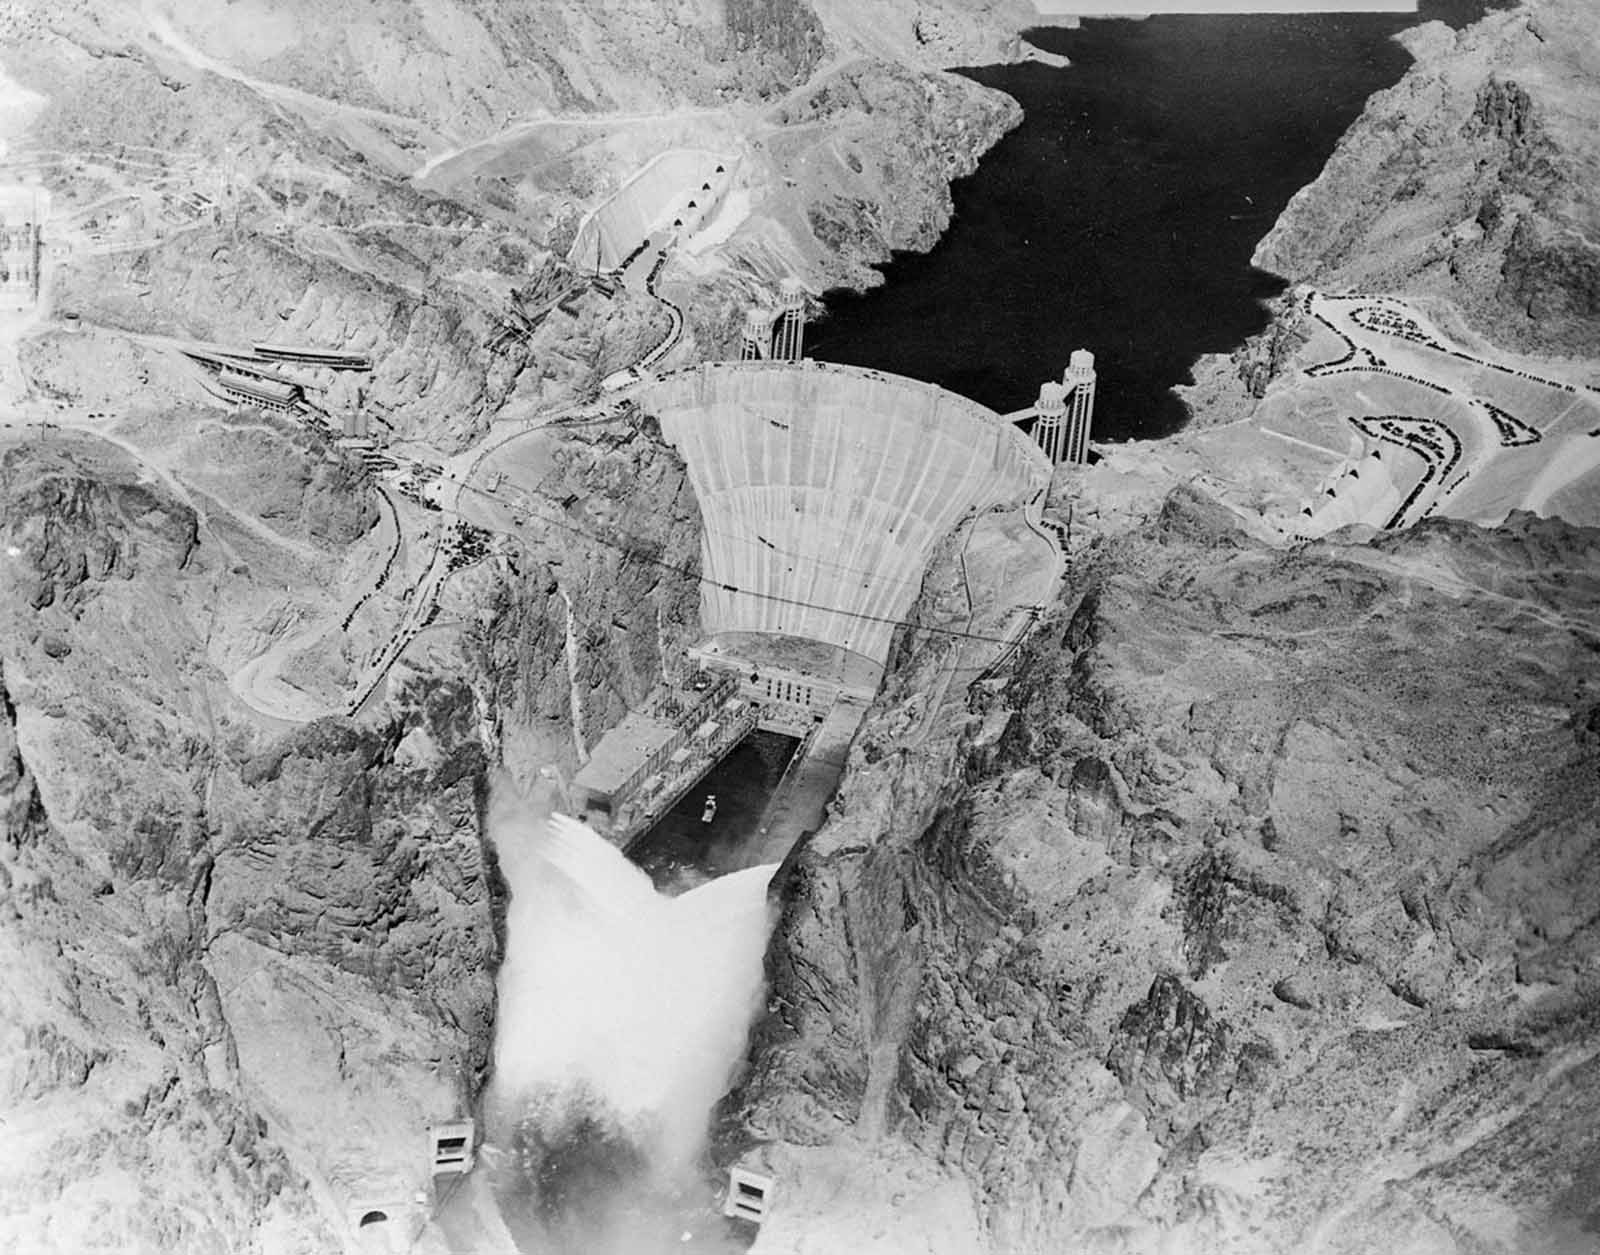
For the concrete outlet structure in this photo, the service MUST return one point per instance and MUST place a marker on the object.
(1079, 379)
(384, 1226)
(451, 1146)
(755, 338)
(749, 1194)
(788, 337)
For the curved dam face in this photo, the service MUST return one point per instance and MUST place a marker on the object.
(823, 490)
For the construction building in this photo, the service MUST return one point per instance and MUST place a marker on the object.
(306, 355)
(241, 378)
(353, 423)
(267, 394)
(19, 247)
(1050, 420)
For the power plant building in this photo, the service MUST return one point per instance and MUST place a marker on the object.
(19, 247)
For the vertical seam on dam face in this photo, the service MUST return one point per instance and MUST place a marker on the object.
(829, 486)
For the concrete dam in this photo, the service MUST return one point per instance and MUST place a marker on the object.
(823, 490)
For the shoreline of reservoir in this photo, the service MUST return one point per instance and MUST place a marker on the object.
(1122, 214)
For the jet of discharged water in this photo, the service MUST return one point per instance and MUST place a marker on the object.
(623, 1014)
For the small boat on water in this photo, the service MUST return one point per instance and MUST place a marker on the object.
(710, 811)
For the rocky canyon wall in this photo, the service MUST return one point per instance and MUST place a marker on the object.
(1468, 186)
(591, 615)
(1247, 915)
(1472, 180)
(250, 963)
(856, 166)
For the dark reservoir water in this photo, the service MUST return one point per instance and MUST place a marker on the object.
(1121, 215)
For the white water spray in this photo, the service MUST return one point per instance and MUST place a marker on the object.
(612, 991)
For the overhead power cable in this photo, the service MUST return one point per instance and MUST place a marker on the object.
(633, 548)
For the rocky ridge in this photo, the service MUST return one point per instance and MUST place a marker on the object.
(252, 963)
(1471, 180)
(1248, 914)
(860, 168)
(122, 1068)
(320, 232)
(467, 68)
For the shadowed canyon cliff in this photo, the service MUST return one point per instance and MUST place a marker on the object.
(1233, 916)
